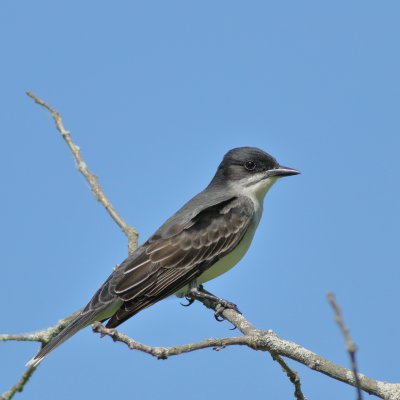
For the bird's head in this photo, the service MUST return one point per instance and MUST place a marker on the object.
(250, 169)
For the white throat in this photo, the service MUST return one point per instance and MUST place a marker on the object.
(255, 190)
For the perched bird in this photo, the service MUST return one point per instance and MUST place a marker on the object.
(204, 239)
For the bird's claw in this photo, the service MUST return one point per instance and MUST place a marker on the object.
(217, 316)
(190, 301)
(221, 307)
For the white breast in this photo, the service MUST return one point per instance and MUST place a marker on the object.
(231, 259)
(256, 193)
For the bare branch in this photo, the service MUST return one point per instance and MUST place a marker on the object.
(292, 375)
(164, 352)
(92, 179)
(19, 386)
(350, 345)
(43, 336)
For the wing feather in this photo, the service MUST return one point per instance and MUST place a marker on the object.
(165, 265)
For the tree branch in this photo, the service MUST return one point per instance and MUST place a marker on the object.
(162, 353)
(350, 345)
(292, 375)
(19, 386)
(92, 179)
(43, 336)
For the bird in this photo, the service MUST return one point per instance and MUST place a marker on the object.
(202, 240)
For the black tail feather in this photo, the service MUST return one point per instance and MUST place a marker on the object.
(81, 321)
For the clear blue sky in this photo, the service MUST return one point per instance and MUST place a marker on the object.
(155, 93)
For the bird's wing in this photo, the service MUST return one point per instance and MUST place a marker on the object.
(180, 251)
(163, 266)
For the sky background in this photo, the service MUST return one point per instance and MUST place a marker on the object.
(155, 93)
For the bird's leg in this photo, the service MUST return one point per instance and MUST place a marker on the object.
(209, 300)
(190, 300)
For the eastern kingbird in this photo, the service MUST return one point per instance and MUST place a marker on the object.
(204, 239)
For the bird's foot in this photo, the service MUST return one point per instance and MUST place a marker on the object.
(209, 300)
(223, 305)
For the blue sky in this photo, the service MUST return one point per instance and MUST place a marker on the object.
(155, 93)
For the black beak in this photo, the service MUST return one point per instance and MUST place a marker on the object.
(282, 171)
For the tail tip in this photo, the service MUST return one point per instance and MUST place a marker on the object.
(34, 362)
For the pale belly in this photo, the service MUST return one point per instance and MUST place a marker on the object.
(231, 259)
(227, 262)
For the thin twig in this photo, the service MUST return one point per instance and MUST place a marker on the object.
(42, 336)
(164, 352)
(92, 179)
(350, 345)
(19, 386)
(292, 375)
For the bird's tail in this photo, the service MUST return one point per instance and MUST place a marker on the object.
(73, 327)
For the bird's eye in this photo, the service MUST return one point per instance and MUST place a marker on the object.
(250, 165)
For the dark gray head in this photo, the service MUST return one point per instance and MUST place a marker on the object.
(249, 163)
